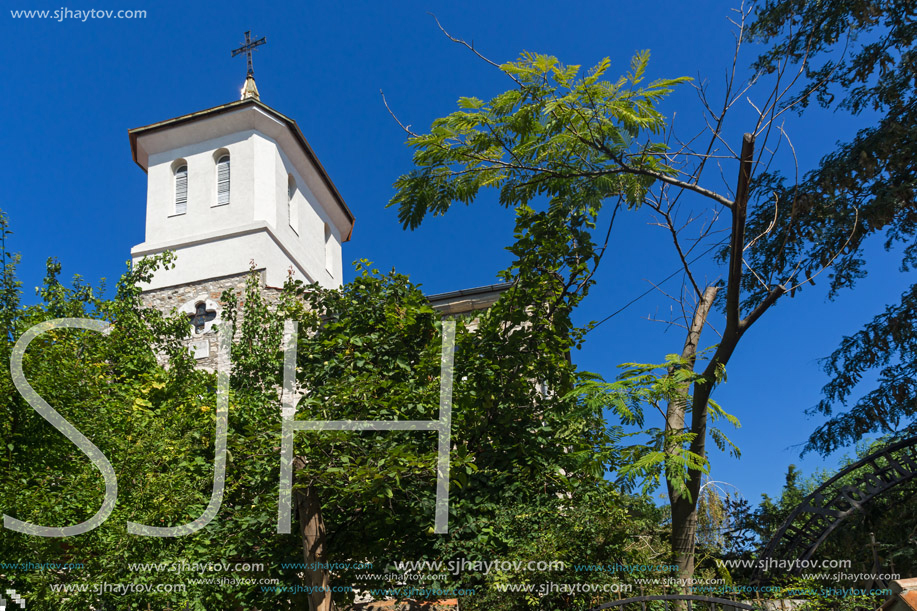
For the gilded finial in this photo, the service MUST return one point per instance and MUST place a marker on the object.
(249, 90)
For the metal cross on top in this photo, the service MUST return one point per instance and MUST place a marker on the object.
(248, 47)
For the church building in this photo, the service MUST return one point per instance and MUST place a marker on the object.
(229, 188)
(237, 187)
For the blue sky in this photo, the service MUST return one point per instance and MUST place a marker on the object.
(74, 88)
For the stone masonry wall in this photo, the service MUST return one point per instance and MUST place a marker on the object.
(184, 298)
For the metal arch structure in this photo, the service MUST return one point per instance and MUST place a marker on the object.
(706, 601)
(830, 504)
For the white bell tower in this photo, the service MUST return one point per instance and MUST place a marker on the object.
(229, 186)
(237, 183)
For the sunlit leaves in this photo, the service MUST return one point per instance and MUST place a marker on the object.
(642, 386)
(554, 136)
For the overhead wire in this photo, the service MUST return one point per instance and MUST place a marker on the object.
(651, 289)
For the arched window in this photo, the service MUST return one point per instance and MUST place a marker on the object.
(223, 180)
(328, 249)
(292, 211)
(181, 188)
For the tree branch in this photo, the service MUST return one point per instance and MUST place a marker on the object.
(737, 240)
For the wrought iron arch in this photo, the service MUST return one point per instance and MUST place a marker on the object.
(725, 604)
(830, 504)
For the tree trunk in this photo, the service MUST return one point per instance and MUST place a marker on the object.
(312, 529)
(684, 507)
(684, 527)
(684, 514)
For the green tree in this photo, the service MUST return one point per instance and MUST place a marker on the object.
(585, 535)
(367, 351)
(857, 57)
(153, 423)
(877, 538)
(371, 351)
(558, 146)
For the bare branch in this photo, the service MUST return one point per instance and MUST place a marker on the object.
(755, 274)
(769, 227)
(406, 128)
(671, 323)
(674, 234)
(471, 47)
(664, 177)
(835, 255)
(768, 301)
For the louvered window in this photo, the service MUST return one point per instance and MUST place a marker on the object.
(223, 180)
(181, 189)
(292, 215)
(328, 249)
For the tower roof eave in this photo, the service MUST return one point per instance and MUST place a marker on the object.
(135, 133)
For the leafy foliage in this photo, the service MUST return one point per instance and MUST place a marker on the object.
(887, 344)
(154, 424)
(642, 386)
(858, 56)
(557, 135)
(883, 529)
(367, 351)
(591, 529)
